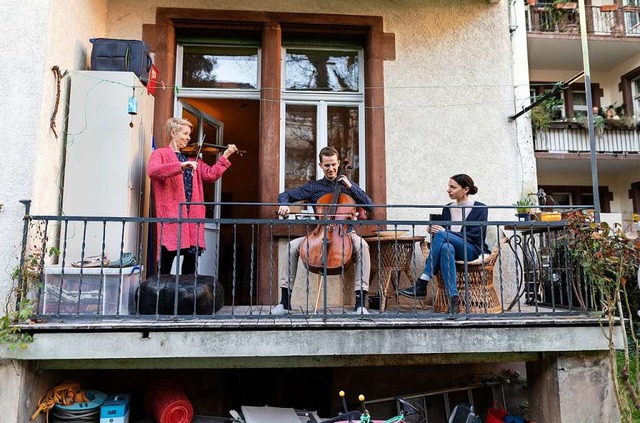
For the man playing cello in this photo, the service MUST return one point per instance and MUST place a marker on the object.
(311, 192)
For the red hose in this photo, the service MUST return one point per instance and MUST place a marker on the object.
(168, 403)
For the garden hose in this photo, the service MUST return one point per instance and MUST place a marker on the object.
(70, 399)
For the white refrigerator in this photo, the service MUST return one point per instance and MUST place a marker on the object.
(106, 154)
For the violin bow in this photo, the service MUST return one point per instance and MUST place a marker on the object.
(200, 147)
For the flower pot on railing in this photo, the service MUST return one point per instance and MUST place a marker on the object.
(531, 2)
(524, 217)
(608, 7)
(566, 6)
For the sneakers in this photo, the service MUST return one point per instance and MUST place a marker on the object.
(285, 303)
(361, 299)
(279, 310)
(418, 290)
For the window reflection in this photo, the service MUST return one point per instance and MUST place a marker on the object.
(343, 134)
(220, 67)
(322, 70)
(300, 144)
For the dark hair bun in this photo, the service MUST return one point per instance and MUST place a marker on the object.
(473, 190)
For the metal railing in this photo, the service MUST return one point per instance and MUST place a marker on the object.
(570, 137)
(608, 19)
(529, 273)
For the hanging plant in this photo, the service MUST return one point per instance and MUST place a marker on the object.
(609, 259)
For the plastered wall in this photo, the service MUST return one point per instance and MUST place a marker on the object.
(448, 96)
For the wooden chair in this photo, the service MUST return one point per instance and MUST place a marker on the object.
(483, 297)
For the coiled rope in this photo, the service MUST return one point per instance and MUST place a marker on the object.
(66, 393)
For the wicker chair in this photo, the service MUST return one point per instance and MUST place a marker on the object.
(483, 297)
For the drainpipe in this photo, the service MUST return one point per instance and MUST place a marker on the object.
(582, 13)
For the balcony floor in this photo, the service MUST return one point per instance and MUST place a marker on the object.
(259, 317)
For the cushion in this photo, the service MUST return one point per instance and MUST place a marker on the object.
(194, 295)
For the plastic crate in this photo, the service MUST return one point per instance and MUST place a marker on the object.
(89, 291)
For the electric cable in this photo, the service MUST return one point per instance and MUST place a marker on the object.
(60, 415)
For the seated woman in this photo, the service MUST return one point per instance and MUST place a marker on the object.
(449, 243)
(611, 114)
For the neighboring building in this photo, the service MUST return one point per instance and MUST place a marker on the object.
(562, 151)
(414, 91)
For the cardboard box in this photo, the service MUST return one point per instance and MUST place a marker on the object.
(87, 291)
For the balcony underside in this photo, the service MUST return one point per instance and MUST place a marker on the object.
(564, 51)
(253, 338)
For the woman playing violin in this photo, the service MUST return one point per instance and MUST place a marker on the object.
(177, 178)
(312, 192)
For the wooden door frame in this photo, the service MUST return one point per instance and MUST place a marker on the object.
(378, 45)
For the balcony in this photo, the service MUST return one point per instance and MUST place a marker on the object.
(571, 137)
(610, 19)
(554, 36)
(397, 249)
(529, 294)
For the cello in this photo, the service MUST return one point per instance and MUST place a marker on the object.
(328, 245)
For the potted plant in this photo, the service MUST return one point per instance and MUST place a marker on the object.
(523, 208)
(546, 112)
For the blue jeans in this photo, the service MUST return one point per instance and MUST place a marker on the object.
(446, 248)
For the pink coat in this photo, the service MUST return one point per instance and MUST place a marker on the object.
(165, 172)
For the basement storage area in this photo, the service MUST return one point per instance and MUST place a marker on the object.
(434, 390)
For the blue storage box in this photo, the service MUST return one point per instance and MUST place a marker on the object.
(115, 409)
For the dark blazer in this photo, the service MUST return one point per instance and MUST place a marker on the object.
(475, 234)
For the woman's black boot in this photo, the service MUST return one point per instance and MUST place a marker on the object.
(454, 305)
(418, 290)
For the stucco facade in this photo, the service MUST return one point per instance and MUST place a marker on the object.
(457, 77)
(448, 95)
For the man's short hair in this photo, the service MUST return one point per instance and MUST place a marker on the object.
(327, 152)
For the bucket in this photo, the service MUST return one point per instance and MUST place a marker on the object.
(168, 403)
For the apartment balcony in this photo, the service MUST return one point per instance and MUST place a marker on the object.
(554, 35)
(528, 295)
(572, 137)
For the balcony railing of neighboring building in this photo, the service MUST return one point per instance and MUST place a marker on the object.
(528, 273)
(607, 19)
(570, 137)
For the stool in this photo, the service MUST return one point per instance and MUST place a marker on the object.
(390, 259)
(483, 297)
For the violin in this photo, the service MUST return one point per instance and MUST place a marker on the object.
(328, 246)
(207, 148)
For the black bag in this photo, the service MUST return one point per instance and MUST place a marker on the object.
(121, 55)
(200, 293)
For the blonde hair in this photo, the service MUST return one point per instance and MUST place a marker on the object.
(174, 124)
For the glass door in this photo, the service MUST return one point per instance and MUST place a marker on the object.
(206, 130)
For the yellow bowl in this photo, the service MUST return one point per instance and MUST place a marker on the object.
(550, 216)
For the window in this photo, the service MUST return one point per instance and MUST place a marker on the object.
(221, 67)
(578, 195)
(635, 92)
(323, 105)
(631, 18)
(579, 103)
(322, 70)
(574, 98)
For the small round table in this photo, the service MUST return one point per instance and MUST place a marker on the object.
(390, 258)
